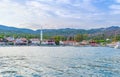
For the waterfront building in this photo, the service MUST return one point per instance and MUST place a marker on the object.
(21, 41)
(51, 42)
(10, 40)
(35, 41)
(69, 43)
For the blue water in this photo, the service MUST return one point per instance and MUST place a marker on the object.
(59, 62)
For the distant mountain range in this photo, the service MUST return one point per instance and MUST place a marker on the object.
(67, 31)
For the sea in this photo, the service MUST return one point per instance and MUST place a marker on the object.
(68, 61)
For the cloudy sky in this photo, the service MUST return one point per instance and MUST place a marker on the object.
(85, 14)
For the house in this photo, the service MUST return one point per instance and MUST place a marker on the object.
(44, 42)
(69, 42)
(61, 43)
(93, 43)
(111, 44)
(10, 40)
(51, 42)
(35, 41)
(21, 41)
(2, 42)
(84, 42)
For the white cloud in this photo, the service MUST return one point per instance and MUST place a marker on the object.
(118, 1)
(115, 9)
(52, 13)
(12, 13)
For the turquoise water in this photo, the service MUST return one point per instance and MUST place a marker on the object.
(59, 62)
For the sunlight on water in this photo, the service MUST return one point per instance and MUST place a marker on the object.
(59, 62)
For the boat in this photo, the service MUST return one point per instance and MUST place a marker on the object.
(117, 46)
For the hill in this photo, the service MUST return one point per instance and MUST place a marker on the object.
(66, 32)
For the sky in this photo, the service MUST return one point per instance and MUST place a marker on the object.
(49, 14)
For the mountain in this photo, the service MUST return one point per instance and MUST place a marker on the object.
(4, 28)
(66, 32)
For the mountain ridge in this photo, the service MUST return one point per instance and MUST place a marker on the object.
(62, 31)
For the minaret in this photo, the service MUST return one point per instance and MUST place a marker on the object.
(41, 35)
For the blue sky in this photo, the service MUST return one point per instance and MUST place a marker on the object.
(85, 14)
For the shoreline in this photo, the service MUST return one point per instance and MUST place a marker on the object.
(48, 46)
(7, 46)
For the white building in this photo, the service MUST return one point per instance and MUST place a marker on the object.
(10, 39)
(21, 41)
(35, 41)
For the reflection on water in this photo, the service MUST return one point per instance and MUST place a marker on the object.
(59, 62)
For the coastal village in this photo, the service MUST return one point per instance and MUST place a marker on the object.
(11, 41)
(37, 42)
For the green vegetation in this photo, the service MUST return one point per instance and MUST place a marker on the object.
(98, 35)
(57, 39)
(99, 38)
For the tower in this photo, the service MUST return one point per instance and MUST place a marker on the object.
(41, 35)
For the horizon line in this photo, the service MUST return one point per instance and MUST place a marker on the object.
(57, 28)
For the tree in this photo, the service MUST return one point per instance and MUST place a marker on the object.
(78, 37)
(57, 40)
(70, 38)
(116, 38)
